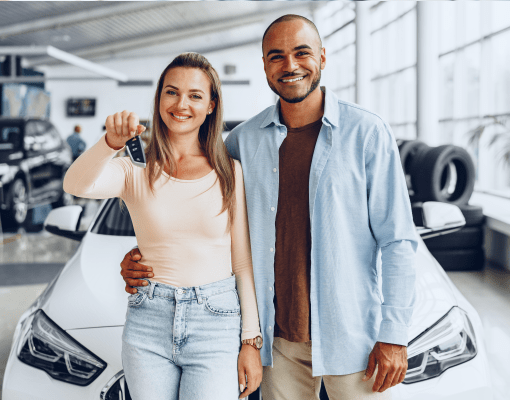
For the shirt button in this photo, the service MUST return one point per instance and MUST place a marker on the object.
(271, 249)
(272, 208)
(270, 289)
(270, 328)
(274, 169)
(282, 133)
(179, 291)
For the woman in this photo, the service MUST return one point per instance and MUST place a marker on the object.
(182, 333)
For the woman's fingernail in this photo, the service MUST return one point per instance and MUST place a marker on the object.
(241, 387)
(145, 283)
(151, 275)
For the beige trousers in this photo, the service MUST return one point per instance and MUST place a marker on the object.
(291, 378)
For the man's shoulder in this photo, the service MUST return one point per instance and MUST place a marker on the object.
(253, 123)
(358, 115)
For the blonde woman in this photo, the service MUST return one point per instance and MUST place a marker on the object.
(183, 331)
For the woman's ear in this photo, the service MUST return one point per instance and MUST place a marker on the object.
(212, 104)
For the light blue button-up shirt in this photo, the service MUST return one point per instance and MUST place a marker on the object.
(363, 237)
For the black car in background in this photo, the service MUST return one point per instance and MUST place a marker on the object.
(33, 162)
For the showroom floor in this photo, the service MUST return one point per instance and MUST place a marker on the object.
(28, 261)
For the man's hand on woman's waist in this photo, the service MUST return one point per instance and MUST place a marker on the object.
(132, 272)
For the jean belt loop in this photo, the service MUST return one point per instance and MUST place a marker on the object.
(151, 289)
(199, 296)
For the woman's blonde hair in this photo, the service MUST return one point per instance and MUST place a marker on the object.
(159, 151)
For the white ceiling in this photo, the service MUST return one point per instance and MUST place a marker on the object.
(115, 30)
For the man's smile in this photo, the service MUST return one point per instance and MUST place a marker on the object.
(290, 80)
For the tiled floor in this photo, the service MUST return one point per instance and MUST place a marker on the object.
(488, 291)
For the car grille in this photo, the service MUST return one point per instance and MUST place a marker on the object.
(116, 389)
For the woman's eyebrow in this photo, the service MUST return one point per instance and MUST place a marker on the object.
(176, 88)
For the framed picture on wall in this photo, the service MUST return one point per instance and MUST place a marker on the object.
(81, 107)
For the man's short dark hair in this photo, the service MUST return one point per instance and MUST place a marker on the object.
(291, 17)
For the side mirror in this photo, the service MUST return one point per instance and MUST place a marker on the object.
(65, 221)
(440, 219)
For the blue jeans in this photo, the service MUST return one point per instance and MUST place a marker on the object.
(183, 343)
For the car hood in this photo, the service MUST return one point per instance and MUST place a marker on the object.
(89, 292)
(434, 292)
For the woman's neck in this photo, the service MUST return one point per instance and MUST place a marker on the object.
(185, 146)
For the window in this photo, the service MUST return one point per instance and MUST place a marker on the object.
(114, 220)
(10, 138)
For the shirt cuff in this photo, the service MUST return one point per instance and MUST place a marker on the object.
(390, 332)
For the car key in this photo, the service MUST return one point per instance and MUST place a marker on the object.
(135, 151)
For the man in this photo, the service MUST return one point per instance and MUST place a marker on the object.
(326, 196)
(76, 143)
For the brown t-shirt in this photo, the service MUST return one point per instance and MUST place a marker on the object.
(293, 236)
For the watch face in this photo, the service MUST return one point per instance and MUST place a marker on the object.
(258, 342)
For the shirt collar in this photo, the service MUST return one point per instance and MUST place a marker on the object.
(273, 116)
(330, 111)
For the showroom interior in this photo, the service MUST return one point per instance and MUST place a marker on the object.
(437, 72)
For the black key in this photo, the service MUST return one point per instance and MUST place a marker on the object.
(135, 151)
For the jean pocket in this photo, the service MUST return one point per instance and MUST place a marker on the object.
(136, 300)
(225, 303)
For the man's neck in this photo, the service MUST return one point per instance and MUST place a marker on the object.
(296, 115)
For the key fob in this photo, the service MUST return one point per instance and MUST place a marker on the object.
(135, 150)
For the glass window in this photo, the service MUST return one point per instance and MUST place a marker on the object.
(447, 26)
(10, 138)
(471, 84)
(114, 220)
(445, 89)
(500, 13)
(500, 56)
(408, 35)
(378, 54)
(473, 22)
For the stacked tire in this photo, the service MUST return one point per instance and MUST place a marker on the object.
(446, 174)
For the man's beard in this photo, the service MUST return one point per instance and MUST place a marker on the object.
(299, 99)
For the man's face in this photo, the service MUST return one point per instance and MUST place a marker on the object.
(293, 60)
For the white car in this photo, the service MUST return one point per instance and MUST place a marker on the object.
(67, 345)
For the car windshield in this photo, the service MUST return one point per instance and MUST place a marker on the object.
(10, 137)
(114, 220)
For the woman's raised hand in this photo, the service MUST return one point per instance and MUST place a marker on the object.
(120, 127)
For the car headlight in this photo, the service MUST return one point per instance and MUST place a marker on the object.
(46, 346)
(449, 342)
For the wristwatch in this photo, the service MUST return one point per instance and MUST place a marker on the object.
(256, 343)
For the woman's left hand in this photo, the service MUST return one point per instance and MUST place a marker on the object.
(250, 365)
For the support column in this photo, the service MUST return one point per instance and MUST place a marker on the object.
(363, 59)
(427, 77)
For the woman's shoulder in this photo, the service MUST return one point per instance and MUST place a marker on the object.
(238, 169)
(238, 173)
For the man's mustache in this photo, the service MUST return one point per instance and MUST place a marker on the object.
(289, 74)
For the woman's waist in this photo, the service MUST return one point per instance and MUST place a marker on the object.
(189, 272)
(188, 292)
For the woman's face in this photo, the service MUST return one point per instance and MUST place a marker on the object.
(185, 100)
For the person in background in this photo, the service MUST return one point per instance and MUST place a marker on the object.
(78, 145)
